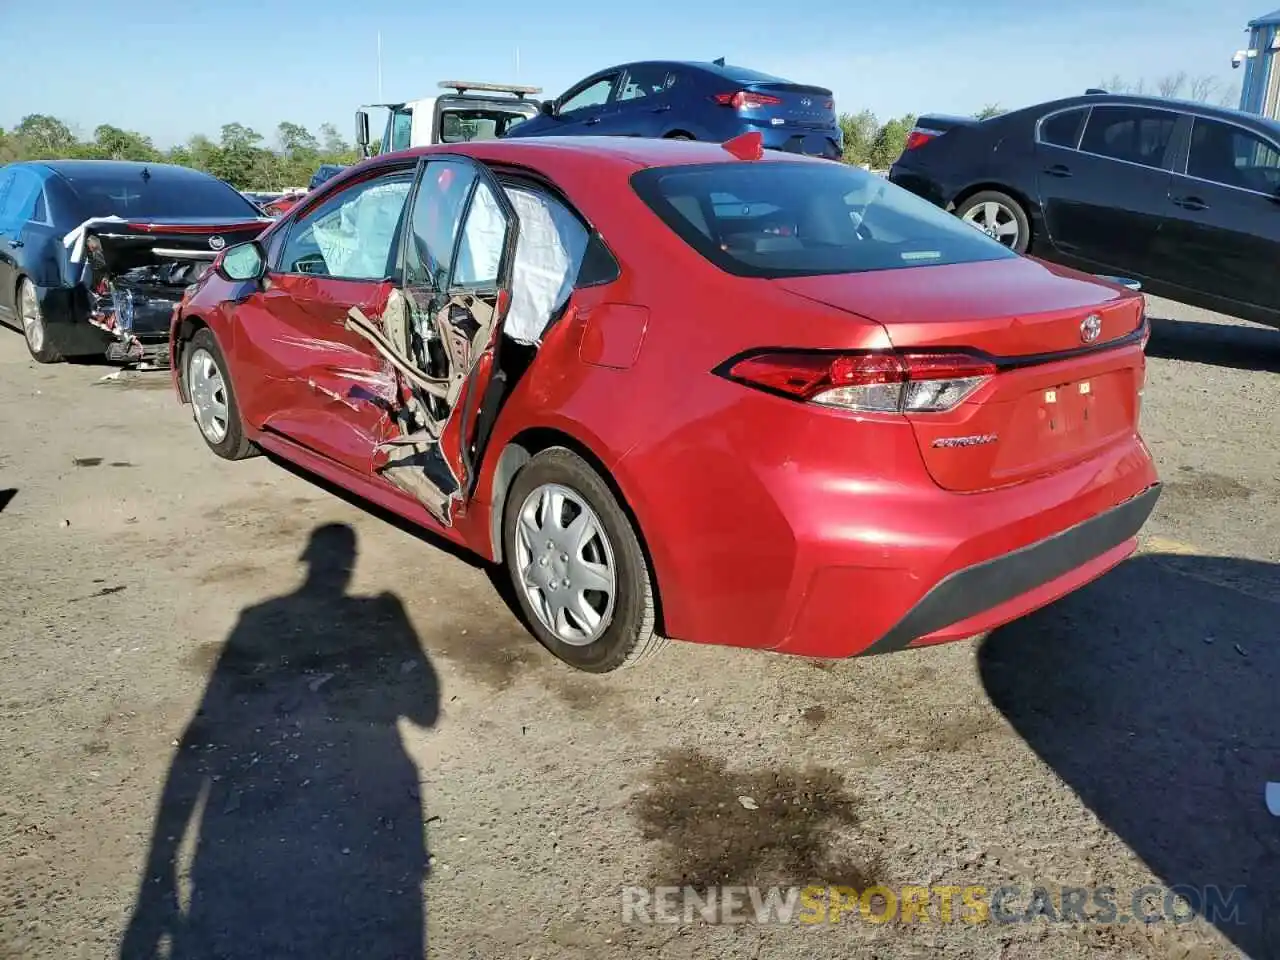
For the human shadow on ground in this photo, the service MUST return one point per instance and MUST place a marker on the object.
(1218, 344)
(1153, 693)
(291, 788)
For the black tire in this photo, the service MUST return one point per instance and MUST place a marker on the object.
(631, 635)
(34, 327)
(234, 445)
(1022, 241)
(680, 136)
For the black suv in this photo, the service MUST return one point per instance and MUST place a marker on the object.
(1182, 196)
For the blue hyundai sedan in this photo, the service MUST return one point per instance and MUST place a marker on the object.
(693, 101)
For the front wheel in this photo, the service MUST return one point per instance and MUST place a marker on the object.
(213, 401)
(578, 571)
(999, 216)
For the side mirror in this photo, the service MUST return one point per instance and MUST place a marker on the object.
(548, 108)
(244, 261)
(362, 132)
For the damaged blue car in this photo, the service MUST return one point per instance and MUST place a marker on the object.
(94, 254)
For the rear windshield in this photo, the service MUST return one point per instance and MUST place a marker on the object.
(462, 126)
(132, 197)
(743, 75)
(788, 219)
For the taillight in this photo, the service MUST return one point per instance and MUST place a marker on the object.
(869, 382)
(920, 136)
(745, 100)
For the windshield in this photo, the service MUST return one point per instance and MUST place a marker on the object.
(786, 219)
(185, 195)
(461, 126)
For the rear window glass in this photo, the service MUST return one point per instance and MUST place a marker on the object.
(743, 75)
(132, 196)
(783, 219)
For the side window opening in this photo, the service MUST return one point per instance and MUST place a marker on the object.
(1229, 155)
(1062, 129)
(1134, 134)
(352, 235)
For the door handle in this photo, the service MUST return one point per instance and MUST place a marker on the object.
(15, 243)
(662, 109)
(1058, 170)
(589, 121)
(1190, 203)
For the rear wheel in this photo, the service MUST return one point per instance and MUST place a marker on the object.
(999, 216)
(575, 562)
(34, 329)
(679, 136)
(213, 401)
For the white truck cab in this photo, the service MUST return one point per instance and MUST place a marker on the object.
(474, 111)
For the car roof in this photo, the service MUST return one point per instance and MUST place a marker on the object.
(98, 169)
(1167, 103)
(628, 152)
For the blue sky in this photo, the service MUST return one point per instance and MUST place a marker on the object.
(173, 69)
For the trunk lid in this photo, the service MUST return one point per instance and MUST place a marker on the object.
(124, 245)
(799, 105)
(1059, 395)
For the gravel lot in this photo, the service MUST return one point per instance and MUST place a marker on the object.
(200, 747)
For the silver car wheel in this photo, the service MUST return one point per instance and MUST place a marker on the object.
(208, 392)
(567, 566)
(32, 318)
(995, 220)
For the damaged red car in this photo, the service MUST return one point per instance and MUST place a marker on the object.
(687, 390)
(94, 254)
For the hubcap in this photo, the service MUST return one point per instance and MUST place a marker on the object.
(32, 320)
(208, 395)
(566, 564)
(995, 220)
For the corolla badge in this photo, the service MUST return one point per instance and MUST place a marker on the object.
(976, 440)
(1090, 328)
(216, 243)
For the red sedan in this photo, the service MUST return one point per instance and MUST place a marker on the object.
(688, 390)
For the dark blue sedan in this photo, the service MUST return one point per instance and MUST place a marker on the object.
(693, 101)
(94, 254)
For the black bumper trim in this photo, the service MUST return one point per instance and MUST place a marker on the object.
(985, 585)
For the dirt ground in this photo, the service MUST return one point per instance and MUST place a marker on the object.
(207, 747)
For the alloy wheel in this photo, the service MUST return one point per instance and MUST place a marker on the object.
(995, 220)
(32, 318)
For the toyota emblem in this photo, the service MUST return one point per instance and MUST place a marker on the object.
(1090, 328)
(806, 102)
(216, 243)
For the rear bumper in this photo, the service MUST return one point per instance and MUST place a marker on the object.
(984, 596)
(817, 143)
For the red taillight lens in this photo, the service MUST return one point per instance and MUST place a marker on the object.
(870, 382)
(745, 100)
(918, 137)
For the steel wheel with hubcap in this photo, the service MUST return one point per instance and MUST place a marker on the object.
(999, 216)
(574, 558)
(213, 401)
(567, 564)
(208, 393)
(34, 329)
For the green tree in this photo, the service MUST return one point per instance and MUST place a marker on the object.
(989, 111)
(295, 138)
(890, 141)
(859, 134)
(112, 143)
(44, 137)
(332, 143)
